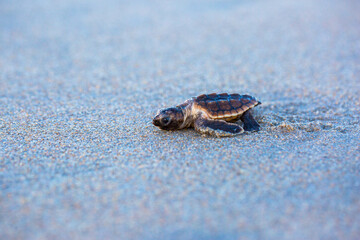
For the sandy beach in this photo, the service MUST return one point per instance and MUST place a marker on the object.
(80, 82)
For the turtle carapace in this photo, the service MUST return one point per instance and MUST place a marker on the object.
(213, 114)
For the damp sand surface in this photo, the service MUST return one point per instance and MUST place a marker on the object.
(81, 80)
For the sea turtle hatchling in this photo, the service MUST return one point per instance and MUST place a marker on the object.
(212, 114)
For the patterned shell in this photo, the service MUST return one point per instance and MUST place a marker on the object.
(225, 106)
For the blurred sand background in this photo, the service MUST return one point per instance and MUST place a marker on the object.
(81, 80)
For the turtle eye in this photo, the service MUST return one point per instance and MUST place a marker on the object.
(165, 120)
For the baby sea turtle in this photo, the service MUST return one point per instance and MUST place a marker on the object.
(212, 114)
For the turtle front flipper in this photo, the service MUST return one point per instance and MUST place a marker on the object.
(218, 128)
(250, 123)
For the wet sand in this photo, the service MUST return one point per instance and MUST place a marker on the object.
(81, 81)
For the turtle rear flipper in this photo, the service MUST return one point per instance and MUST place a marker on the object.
(250, 123)
(218, 128)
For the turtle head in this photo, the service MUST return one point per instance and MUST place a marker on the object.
(169, 118)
